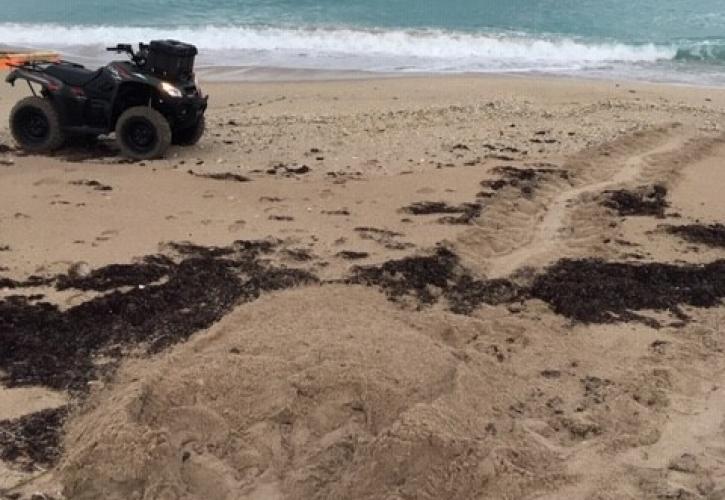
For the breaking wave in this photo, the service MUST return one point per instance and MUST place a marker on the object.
(709, 51)
(394, 49)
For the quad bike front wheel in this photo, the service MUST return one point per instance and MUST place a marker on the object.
(35, 125)
(143, 133)
(190, 135)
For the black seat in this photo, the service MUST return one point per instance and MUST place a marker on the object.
(76, 76)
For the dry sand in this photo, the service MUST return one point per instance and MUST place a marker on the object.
(330, 390)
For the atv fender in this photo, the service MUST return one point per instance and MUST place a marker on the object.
(130, 94)
(48, 83)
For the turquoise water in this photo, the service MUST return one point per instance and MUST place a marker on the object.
(672, 40)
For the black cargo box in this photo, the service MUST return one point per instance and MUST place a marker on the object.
(171, 60)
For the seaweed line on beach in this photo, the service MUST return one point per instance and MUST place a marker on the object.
(712, 235)
(525, 180)
(164, 299)
(583, 290)
(168, 301)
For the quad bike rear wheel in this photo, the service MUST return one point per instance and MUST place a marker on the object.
(190, 135)
(143, 133)
(35, 125)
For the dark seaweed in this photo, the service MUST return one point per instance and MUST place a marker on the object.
(225, 176)
(32, 440)
(375, 231)
(595, 291)
(643, 201)
(383, 237)
(712, 235)
(43, 345)
(352, 255)
(302, 169)
(288, 170)
(96, 185)
(525, 180)
(428, 277)
(586, 290)
(30, 282)
(117, 275)
(468, 211)
(298, 254)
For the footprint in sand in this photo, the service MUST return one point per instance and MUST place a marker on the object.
(237, 225)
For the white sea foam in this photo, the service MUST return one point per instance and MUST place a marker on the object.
(349, 48)
(393, 51)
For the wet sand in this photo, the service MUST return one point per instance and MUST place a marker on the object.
(425, 287)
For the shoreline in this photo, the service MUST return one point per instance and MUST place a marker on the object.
(273, 74)
(263, 75)
(270, 73)
(280, 74)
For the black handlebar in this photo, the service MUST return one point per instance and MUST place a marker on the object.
(137, 57)
(121, 47)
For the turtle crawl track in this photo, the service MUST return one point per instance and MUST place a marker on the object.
(42, 345)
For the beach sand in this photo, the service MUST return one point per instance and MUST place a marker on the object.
(407, 327)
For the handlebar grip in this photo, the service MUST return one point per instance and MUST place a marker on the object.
(112, 49)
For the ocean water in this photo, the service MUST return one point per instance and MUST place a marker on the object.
(661, 40)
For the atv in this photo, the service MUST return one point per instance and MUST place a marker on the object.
(150, 102)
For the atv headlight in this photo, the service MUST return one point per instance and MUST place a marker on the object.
(171, 90)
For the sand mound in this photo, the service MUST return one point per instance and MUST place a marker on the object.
(313, 393)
